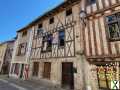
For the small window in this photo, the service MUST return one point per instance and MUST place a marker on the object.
(51, 20)
(24, 33)
(40, 26)
(49, 42)
(91, 2)
(113, 23)
(22, 49)
(61, 38)
(43, 44)
(69, 12)
(40, 31)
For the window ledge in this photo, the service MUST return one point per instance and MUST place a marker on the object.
(113, 40)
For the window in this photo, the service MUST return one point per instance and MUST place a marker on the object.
(22, 49)
(105, 74)
(69, 12)
(40, 25)
(113, 23)
(91, 2)
(51, 20)
(43, 44)
(61, 38)
(24, 33)
(40, 30)
(47, 43)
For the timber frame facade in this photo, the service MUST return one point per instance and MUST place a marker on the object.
(21, 54)
(53, 46)
(101, 39)
(6, 50)
(71, 51)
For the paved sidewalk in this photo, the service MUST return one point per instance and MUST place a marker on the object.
(32, 84)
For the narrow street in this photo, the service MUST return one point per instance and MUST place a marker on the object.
(7, 86)
(15, 84)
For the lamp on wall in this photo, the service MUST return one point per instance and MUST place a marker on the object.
(83, 17)
(83, 21)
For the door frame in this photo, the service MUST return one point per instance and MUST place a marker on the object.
(35, 72)
(72, 73)
(49, 70)
(21, 70)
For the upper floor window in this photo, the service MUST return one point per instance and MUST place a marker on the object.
(61, 38)
(113, 23)
(22, 49)
(51, 21)
(89, 2)
(24, 33)
(40, 26)
(69, 12)
(47, 43)
(40, 30)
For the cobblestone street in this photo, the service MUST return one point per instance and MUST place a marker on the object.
(15, 84)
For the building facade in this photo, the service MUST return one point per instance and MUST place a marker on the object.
(3, 48)
(8, 56)
(6, 50)
(56, 39)
(72, 45)
(21, 54)
(101, 40)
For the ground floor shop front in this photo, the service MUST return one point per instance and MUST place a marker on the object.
(67, 73)
(72, 73)
(19, 70)
(78, 74)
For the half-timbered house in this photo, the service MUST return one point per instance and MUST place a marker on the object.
(3, 48)
(6, 50)
(55, 40)
(8, 56)
(101, 35)
(74, 45)
(55, 45)
(21, 53)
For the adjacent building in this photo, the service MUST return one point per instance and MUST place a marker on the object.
(101, 35)
(3, 48)
(6, 50)
(20, 57)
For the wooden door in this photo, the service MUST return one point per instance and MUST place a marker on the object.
(47, 70)
(35, 68)
(21, 72)
(67, 75)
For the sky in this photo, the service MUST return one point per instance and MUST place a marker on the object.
(15, 14)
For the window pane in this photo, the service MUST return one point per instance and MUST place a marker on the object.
(69, 12)
(111, 18)
(102, 78)
(114, 31)
(61, 38)
(49, 42)
(118, 15)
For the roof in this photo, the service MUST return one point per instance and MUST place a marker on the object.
(50, 13)
(9, 41)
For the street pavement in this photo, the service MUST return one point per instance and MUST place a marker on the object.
(15, 84)
(5, 86)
